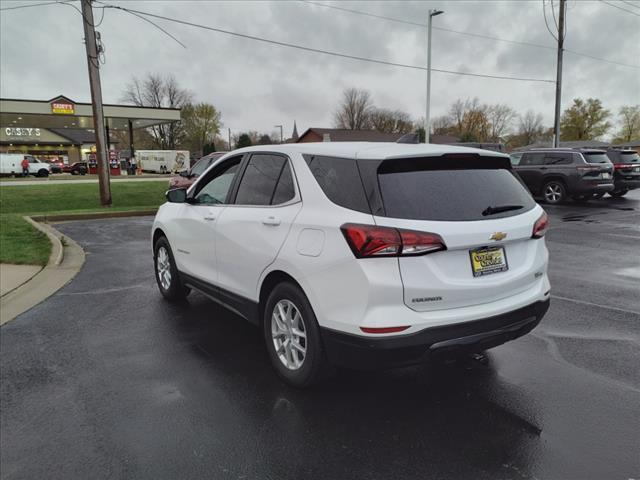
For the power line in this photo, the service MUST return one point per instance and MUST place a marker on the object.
(29, 5)
(631, 4)
(325, 52)
(620, 8)
(469, 34)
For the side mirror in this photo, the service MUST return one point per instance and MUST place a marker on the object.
(177, 195)
(184, 173)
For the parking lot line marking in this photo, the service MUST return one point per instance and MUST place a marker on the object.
(584, 302)
(623, 235)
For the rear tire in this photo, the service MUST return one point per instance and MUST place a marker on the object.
(554, 192)
(292, 336)
(619, 193)
(43, 173)
(167, 276)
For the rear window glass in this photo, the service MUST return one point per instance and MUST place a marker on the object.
(629, 157)
(453, 195)
(200, 167)
(596, 157)
(340, 180)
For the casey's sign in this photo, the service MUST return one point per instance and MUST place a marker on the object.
(62, 108)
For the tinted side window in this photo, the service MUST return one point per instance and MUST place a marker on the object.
(258, 183)
(532, 159)
(340, 181)
(557, 159)
(285, 190)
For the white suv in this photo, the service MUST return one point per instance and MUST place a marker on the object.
(360, 254)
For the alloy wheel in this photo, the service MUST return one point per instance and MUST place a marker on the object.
(163, 267)
(289, 334)
(552, 193)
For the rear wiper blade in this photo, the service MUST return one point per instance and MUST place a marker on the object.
(500, 209)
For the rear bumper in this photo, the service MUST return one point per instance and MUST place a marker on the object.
(586, 188)
(627, 183)
(361, 352)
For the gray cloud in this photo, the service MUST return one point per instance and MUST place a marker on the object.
(257, 85)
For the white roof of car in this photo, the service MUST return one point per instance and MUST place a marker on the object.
(369, 150)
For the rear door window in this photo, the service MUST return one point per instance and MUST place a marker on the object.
(557, 159)
(267, 180)
(453, 195)
(532, 159)
(629, 157)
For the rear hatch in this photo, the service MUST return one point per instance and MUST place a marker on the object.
(627, 163)
(485, 217)
(598, 169)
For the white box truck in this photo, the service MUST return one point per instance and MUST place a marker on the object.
(163, 161)
(11, 164)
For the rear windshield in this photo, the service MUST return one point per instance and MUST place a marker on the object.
(596, 157)
(453, 195)
(629, 157)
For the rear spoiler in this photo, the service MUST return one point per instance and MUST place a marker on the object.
(448, 161)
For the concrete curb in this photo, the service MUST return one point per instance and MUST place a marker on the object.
(57, 250)
(93, 216)
(64, 263)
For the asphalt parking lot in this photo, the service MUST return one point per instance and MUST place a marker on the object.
(106, 380)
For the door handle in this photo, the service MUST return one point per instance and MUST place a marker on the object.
(543, 168)
(271, 220)
(210, 217)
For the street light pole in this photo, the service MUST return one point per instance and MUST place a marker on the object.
(281, 136)
(427, 118)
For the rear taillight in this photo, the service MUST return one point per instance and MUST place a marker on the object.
(373, 241)
(541, 226)
(620, 166)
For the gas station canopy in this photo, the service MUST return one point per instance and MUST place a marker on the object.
(61, 112)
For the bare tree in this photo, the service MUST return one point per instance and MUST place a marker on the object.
(500, 118)
(629, 123)
(442, 125)
(159, 91)
(530, 127)
(354, 110)
(390, 121)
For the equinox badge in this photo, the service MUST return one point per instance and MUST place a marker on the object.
(497, 236)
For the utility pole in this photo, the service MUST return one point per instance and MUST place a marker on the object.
(230, 139)
(96, 102)
(281, 136)
(556, 122)
(427, 118)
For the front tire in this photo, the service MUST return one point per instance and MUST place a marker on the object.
(167, 276)
(43, 173)
(554, 192)
(292, 336)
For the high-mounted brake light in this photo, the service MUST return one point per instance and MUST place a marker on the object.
(368, 241)
(383, 329)
(541, 226)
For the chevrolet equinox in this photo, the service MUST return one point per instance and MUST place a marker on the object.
(364, 255)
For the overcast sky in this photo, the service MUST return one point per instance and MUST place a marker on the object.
(257, 85)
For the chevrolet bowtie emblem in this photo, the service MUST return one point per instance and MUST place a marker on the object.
(497, 236)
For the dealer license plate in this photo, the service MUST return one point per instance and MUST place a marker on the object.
(488, 260)
(606, 175)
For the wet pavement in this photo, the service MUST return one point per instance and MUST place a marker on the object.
(106, 380)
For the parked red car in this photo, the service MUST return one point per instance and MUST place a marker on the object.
(186, 178)
(76, 168)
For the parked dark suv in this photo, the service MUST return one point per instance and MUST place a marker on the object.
(557, 173)
(626, 171)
